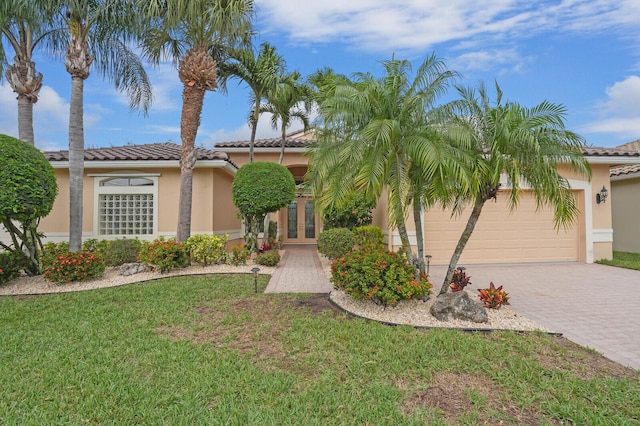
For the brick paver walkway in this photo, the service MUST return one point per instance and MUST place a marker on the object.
(299, 272)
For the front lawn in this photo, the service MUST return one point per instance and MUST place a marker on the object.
(207, 350)
(623, 260)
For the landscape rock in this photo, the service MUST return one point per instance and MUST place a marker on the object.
(133, 268)
(458, 305)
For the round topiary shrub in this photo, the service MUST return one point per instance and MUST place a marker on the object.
(260, 188)
(268, 258)
(335, 242)
(28, 190)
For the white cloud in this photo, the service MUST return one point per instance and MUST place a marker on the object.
(382, 26)
(620, 113)
(9, 108)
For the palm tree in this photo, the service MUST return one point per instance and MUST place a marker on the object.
(526, 144)
(193, 33)
(98, 32)
(24, 29)
(261, 72)
(288, 101)
(379, 134)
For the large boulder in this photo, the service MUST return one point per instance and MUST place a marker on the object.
(133, 268)
(458, 305)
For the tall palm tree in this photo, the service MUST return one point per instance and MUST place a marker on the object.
(526, 144)
(261, 72)
(99, 32)
(194, 34)
(379, 134)
(24, 28)
(287, 102)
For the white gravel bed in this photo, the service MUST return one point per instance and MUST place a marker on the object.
(416, 312)
(111, 278)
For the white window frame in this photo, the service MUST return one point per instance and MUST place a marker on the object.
(124, 190)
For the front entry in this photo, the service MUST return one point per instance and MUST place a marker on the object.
(301, 221)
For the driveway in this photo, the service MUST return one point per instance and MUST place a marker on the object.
(593, 305)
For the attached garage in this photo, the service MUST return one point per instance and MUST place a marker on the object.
(502, 236)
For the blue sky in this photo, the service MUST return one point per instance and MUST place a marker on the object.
(584, 54)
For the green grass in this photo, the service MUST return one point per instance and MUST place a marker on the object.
(623, 260)
(207, 350)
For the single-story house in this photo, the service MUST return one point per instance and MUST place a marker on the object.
(132, 191)
(625, 200)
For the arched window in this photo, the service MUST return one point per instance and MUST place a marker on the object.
(126, 205)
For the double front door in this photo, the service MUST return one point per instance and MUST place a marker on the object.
(301, 221)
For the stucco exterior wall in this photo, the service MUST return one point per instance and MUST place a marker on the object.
(212, 208)
(625, 199)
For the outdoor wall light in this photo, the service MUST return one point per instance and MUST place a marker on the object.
(601, 196)
(255, 277)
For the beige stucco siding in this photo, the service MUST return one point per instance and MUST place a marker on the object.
(625, 198)
(225, 214)
(501, 236)
(58, 218)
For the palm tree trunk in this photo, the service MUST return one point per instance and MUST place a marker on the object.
(76, 163)
(192, 100)
(417, 218)
(462, 242)
(284, 142)
(25, 119)
(254, 128)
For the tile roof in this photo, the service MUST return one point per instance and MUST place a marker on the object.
(148, 152)
(266, 143)
(625, 170)
(610, 152)
(634, 145)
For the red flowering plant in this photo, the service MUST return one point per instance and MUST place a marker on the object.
(382, 276)
(164, 255)
(75, 266)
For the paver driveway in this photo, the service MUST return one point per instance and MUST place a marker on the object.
(593, 305)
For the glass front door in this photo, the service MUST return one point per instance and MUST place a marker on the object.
(301, 221)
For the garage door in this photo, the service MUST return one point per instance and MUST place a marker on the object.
(501, 236)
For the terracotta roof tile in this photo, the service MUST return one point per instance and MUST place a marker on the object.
(148, 152)
(609, 152)
(625, 170)
(634, 145)
(266, 143)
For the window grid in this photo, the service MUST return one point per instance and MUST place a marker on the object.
(125, 214)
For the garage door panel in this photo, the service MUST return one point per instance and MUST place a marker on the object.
(501, 236)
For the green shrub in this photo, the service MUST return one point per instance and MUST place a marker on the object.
(119, 252)
(272, 234)
(368, 236)
(335, 242)
(207, 249)
(382, 276)
(75, 266)
(114, 252)
(239, 255)
(355, 212)
(11, 263)
(50, 253)
(268, 258)
(164, 255)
